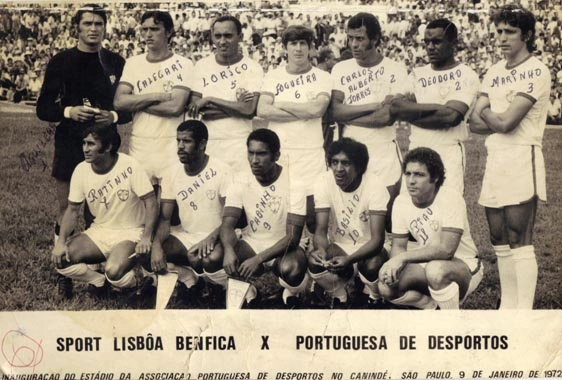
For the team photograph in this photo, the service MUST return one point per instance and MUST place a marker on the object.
(353, 154)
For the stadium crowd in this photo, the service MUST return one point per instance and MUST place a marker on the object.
(32, 34)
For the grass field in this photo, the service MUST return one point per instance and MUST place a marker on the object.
(28, 206)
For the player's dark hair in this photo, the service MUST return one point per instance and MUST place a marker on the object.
(89, 8)
(354, 150)
(449, 28)
(296, 33)
(226, 18)
(106, 134)
(324, 54)
(266, 136)
(370, 23)
(432, 161)
(160, 17)
(518, 17)
(197, 128)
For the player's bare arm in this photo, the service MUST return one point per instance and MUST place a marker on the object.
(320, 238)
(429, 115)
(372, 115)
(174, 106)
(288, 243)
(125, 100)
(268, 110)
(313, 109)
(475, 122)
(507, 121)
(151, 217)
(344, 113)
(217, 108)
(369, 249)
(157, 254)
(229, 239)
(69, 222)
(443, 249)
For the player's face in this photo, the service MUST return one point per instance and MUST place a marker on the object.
(440, 51)
(92, 149)
(345, 172)
(188, 149)
(91, 29)
(261, 159)
(511, 40)
(155, 35)
(297, 52)
(359, 42)
(418, 182)
(226, 39)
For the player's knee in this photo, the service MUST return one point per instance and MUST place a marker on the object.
(437, 274)
(213, 262)
(114, 272)
(386, 291)
(291, 271)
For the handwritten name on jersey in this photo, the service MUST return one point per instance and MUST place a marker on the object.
(420, 226)
(300, 80)
(440, 78)
(102, 192)
(161, 74)
(344, 220)
(197, 183)
(515, 76)
(226, 74)
(359, 82)
(267, 201)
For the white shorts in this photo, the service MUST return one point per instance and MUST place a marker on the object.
(155, 155)
(453, 157)
(305, 166)
(188, 239)
(385, 162)
(514, 175)
(233, 152)
(107, 238)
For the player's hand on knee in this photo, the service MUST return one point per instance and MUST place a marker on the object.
(59, 254)
(249, 267)
(338, 263)
(230, 263)
(390, 271)
(158, 260)
(143, 246)
(318, 257)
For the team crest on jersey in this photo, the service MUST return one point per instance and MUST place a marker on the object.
(240, 94)
(211, 194)
(444, 91)
(311, 95)
(167, 85)
(510, 95)
(123, 195)
(274, 204)
(434, 225)
(112, 79)
(364, 216)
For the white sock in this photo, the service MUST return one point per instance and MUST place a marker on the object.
(415, 299)
(526, 270)
(81, 272)
(371, 287)
(289, 290)
(219, 277)
(508, 277)
(333, 284)
(448, 297)
(186, 275)
(127, 281)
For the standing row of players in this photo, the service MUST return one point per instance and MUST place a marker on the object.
(367, 94)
